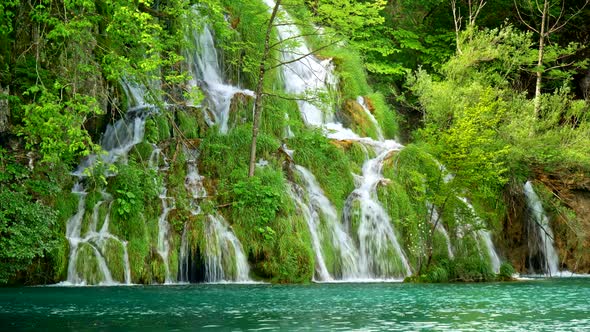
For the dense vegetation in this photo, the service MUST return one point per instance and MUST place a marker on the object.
(477, 87)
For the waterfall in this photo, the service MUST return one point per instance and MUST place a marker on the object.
(322, 220)
(304, 76)
(163, 230)
(361, 101)
(436, 219)
(379, 254)
(540, 222)
(222, 256)
(483, 235)
(491, 249)
(378, 243)
(203, 63)
(156, 158)
(117, 141)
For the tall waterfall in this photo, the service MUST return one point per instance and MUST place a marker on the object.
(367, 243)
(540, 222)
(117, 141)
(206, 73)
(374, 231)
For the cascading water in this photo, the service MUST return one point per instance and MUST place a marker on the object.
(364, 215)
(206, 73)
(117, 141)
(379, 253)
(483, 235)
(322, 218)
(361, 101)
(435, 219)
(222, 256)
(167, 205)
(540, 222)
(491, 249)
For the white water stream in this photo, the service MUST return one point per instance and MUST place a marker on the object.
(541, 223)
(223, 255)
(117, 141)
(206, 73)
(377, 253)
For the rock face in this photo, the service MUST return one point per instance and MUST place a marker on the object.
(572, 233)
(567, 204)
(4, 110)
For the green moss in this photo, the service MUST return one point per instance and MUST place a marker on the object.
(157, 128)
(113, 253)
(59, 258)
(327, 162)
(142, 152)
(157, 269)
(173, 256)
(248, 19)
(87, 265)
(66, 208)
(351, 73)
(355, 117)
(385, 116)
(240, 111)
(139, 251)
(92, 198)
(187, 124)
(506, 272)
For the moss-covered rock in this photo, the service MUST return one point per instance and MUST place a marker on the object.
(113, 252)
(87, 265)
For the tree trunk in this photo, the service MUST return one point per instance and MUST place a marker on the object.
(259, 88)
(540, 59)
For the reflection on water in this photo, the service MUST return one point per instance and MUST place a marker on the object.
(540, 305)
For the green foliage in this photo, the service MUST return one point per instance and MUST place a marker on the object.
(257, 200)
(132, 188)
(55, 126)
(563, 127)
(327, 162)
(87, 265)
(470, 269)
(506, 272)
(25, 232)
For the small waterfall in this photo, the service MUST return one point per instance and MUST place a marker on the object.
(206, 73)
(304, 76)
(361, 101)
(377, 240)
(157, 158)
(223, 256)
(163, 230)
(98, 242)
(540, 222)
(435, 218)
(485, 235)
(319, 209)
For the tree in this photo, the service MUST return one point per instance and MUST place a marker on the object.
(552, 18)
(474, 10)
(259, 86)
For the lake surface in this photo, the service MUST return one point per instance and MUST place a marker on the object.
(539, 305)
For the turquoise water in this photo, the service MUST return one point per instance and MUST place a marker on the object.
(540, 305)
